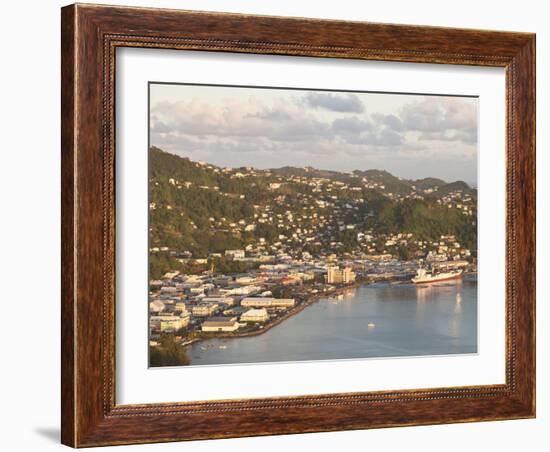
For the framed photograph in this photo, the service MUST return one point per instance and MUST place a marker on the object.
(281, 225)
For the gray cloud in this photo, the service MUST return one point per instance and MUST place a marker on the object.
(352, 125)
(272, 115)
(390, 121)
(468, 136)
(160, 127)
(381, 139)
(301, 130)
(443, 119)
(384, 131)
(342, 103)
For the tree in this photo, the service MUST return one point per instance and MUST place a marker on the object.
(168, 353)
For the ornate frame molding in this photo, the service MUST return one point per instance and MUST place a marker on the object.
(90, 37)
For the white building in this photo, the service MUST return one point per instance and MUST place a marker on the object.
(218, 324)
(255, 315)
(268, 302)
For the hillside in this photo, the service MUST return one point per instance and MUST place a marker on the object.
(200, 209)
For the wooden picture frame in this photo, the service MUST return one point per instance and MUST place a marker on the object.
(90, 36)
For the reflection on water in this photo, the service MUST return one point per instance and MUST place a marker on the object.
(375, 320)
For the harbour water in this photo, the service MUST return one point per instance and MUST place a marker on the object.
(371, 321)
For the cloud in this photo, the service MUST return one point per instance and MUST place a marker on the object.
(318, 129)
(468, 136)
(390, 121)
(239, 119)
(342, 103)
(273, 115)
(382, 132)
(442, 118)
(160, 127)
(352, 125)
(380, 139)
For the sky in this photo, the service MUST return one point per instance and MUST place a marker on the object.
(411, 136)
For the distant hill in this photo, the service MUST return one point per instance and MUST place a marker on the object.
(455, 186)
(429, 182)
(310, 172)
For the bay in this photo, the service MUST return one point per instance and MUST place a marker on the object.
(371, 321)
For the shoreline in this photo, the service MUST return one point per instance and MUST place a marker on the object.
(292, 312)
(296, 310)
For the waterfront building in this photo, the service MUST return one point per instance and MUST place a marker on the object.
(155, 320)
(452, 264)
(218, 324)
(255, 315)
(268, 302)
(336, 275)
(169, 323)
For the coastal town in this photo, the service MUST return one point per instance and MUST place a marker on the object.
(236, 251)
(191, 307)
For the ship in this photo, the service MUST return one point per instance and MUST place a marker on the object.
(428, 276)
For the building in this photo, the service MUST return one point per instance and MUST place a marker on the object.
(227, 301)
(255, 315)
(245, 280)
(169, 323)
(268, 302)
(155, 320)
(204, 309)
(235, 311)
(219, 324)
(235, 254)
(336, 275)
(156, 306)
(181, 307)
(168, 289)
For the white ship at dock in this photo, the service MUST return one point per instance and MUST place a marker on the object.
(427, 276)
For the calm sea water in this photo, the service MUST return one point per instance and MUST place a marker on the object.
(405, 320)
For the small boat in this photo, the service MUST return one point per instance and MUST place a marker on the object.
(223, 347)
(371, 324)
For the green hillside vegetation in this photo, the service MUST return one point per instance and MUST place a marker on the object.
(197, 207)
(426, 220)
(429, 182)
